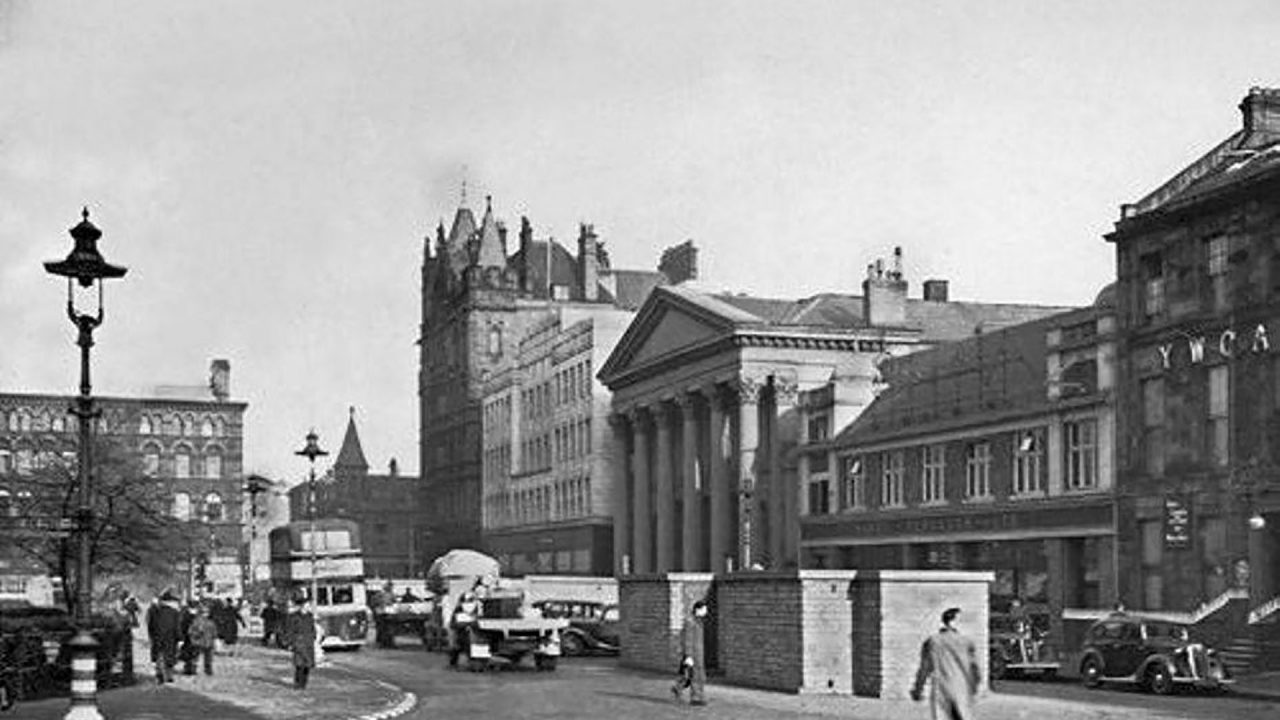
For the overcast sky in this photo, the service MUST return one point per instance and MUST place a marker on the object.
(267, 170)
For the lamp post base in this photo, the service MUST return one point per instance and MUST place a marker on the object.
(84, 677)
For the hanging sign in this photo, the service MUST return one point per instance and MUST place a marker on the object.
(1177, 523)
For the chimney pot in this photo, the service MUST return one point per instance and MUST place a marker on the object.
(935, 290)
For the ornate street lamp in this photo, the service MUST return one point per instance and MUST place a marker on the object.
(311, 452)
(84, 266)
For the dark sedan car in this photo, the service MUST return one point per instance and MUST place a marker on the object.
(1155, 654)
(593, 627)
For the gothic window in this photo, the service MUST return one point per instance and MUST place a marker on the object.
(151, 460)
(182, 463)
(182, 506)
(57, 424)
(206, 428)
(144, 425)
(213, 464)
(13, 422)
(213, 509)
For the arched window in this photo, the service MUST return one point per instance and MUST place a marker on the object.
(144, 425)
(182, 506)
(172, 425)
(213, 507)
(24, 421)
(57, 424)
(206, 428)
(13, 422)
(219, 429)
(151, 459)
(213, 463)
(182, 463)
(188, 426)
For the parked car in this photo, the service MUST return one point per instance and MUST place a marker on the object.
(1155, 654)
(593, 627)
(1017, 648)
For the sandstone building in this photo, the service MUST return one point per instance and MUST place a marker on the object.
(705, 387)
(1198, 294)
(480, 298)
(384, 506)
(191, 437)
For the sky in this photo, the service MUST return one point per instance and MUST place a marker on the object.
(267, 171)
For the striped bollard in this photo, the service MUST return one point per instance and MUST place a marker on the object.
(84, 677)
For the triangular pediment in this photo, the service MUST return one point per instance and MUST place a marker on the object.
(667, 326)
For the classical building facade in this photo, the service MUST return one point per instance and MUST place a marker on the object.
(1199, 396)
(992, 453)
(478, 302)
(705, 387)
(548, 492)
(384, 506)
(190, 437)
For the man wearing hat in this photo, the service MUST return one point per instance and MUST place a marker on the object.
(949, 662)
(163, 620)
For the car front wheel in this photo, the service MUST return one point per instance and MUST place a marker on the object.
(1091, 672)
(1159, 680)
(571, 645)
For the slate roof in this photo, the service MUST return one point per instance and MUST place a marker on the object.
(351, 455)
(563, 266)
(937, 321)
(633, 287)
(1002, 373)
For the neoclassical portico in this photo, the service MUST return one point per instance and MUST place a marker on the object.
(703, 421)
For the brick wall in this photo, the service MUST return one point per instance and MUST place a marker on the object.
(652, 609)
(887, 653)
(760, 630)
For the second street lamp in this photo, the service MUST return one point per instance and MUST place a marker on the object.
(84, 266)
(312, 451)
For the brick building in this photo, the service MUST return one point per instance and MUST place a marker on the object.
(190, 436)
(1199, 395)
(704, 400)
(994, 453)
(384, 506)
(548, 494)
(478, 302)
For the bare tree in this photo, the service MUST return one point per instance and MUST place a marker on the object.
(133, 528)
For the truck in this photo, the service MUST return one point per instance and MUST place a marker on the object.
(489, 620)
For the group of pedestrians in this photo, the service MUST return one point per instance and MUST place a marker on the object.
(190, 633)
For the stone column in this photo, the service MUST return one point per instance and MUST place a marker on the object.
(664, 493)
(721, 533)
(781, 511)
(621, 471)
(691, 521)
(748, 392)
(641, 520)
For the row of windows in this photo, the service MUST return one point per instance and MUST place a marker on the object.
(1217, 412)
(566, 386)
(180, 425)
(210, 509)
(183, 464)
(26, 461)
(566, 499)
(1165, 277)
(24, 421)
(497, 415)
(1027, 470)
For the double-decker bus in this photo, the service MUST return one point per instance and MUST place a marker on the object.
(340, 604)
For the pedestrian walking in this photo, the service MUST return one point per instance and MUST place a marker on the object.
(949, 663)
(271, 622)
(163, 621)
(302, 639)
(188, 652)
(692, 673)
(226, 617)
(203, 635)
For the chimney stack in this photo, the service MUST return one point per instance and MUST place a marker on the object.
(393, 468)
(220, 379)
(588, 263)
(679, 263)
(935, 290)
(1261, 110)
(884, 294)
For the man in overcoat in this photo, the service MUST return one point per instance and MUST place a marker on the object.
(692, 673)
(302, 641)
(949, 663)
(163, 620)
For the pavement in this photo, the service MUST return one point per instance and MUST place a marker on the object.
(1263, 686)
(254, 684)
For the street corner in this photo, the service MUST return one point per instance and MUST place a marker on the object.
(407, 701)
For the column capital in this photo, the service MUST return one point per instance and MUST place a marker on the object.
(785, 390)
(640, 417)
(687, 401)
(747, 388)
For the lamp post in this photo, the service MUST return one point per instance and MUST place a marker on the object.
(312, 451)
(84, 266)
